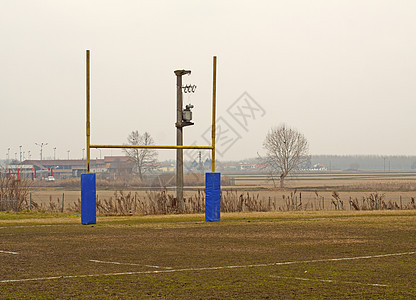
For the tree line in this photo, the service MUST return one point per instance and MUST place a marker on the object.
(365, 162)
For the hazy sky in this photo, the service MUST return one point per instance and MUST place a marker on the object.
(341, 72)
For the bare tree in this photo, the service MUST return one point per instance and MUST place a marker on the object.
(144, 159)
(287, 150)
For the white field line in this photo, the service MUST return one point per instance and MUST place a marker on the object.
(208, 268)
(71, 224)
(8, 252)
(30, 226)
(329, 280)
(14, 234)
(127, 264)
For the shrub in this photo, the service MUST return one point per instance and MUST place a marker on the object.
(14, 194)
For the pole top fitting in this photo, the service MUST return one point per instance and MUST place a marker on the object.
(182, 72)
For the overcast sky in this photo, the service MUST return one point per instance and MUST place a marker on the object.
(341, 72)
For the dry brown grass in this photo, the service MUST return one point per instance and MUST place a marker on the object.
(385, 185)
(363, 191)
(14, 195)
(164, 201)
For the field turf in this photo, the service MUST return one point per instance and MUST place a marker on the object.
(291, 255)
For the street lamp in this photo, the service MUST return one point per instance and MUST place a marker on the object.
(8, 154)
(54, 152)
(20, 152)
(68, 153)
(41, 148)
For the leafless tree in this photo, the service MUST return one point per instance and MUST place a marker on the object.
(144, 159)
(287, 150)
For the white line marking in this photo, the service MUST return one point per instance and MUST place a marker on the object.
(328, 280)
(127, 264)
(344, 258)
(208, 268)
(8, 252)
(29, 226)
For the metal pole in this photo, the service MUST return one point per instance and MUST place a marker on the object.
(179, 138)
(214, 100)
(179, 141)
(88, 112)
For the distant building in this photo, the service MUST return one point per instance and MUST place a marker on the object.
(107, 167)
(319, 167)
(166, 168)
(242, 167)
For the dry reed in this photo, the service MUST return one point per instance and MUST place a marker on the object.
(14, 195)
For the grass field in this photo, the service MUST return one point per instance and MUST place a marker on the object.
(341, 181)
(302, 255)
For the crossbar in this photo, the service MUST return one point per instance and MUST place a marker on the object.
(152, 147)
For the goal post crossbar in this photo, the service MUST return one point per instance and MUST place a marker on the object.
(151, 147)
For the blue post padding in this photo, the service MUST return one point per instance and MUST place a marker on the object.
(88, 199)
(212, 196)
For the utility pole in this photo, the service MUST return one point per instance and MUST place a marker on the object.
(179, 138)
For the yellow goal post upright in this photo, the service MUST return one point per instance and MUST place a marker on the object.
(88, 180)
